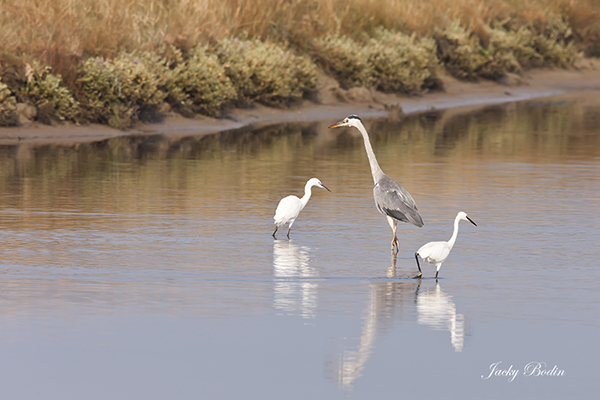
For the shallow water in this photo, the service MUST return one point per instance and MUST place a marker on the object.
(144, 267)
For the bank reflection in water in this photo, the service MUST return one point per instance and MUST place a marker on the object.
(293, 296)
(437, 311)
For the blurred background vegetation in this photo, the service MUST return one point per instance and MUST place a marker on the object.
(120, 61)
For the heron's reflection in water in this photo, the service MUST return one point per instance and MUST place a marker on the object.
(389, 302)
(437, 310)
(394, 301)
(293, 296)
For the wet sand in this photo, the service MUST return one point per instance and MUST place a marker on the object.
(331, 102)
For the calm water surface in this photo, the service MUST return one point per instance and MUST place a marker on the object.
(144, 267)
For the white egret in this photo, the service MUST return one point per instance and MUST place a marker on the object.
(437, 252)
(391, 199)
(290, 207)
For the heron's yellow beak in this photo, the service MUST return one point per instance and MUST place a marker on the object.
(337, 125)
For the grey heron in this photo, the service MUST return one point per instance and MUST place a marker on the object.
(437, 252)
(290, 207)
(391, 199)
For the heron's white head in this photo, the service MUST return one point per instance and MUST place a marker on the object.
(316, 182)
(463, 215)
(350, 120)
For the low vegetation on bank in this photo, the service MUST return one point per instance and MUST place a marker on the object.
(389, 61)
(204, 73)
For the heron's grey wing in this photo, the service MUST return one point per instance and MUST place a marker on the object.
(393, 200)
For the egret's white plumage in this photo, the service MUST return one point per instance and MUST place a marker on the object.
(290, 207)
(437, 252)
(391, 199)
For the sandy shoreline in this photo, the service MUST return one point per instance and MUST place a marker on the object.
(333, 103)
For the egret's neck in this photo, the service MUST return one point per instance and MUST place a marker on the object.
(307, 193)
(375, 169)
(455, 233)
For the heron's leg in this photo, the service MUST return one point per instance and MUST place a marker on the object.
(418, 266)
(275, 231)
(438, 270)
(288, 234)
(395, 241)
(392, 223)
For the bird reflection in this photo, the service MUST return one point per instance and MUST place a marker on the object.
(389, 301)
(391, 272)
(392, 301)
(437, 311)
(293, 296)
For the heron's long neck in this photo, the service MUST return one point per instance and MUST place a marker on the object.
(307, 193)
(455, 233)
(375, 169)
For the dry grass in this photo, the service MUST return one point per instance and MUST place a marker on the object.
(60, 32)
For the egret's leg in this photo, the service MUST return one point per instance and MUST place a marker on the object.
(439, 266)
(418, 266)
(275, 231)
(290, 227)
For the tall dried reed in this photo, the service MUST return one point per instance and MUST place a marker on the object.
(59, 33)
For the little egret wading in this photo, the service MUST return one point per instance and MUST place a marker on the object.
(290, 207)
(437, 252)
(391, 199)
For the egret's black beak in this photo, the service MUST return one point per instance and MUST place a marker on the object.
(326, 188)
(471, 221)
(337, 125)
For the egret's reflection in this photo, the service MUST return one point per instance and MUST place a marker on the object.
(389, 302)
(293, 296)
(437, 310)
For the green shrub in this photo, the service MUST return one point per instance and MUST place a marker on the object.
(460, 51)
(401, 63)
(556, 44)
(345, 59)
(47, 93)
(200, 84)
(507, 51)
(117, 91)
(390, 61)
(510, 49)
(266, 72)
(8, 106)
